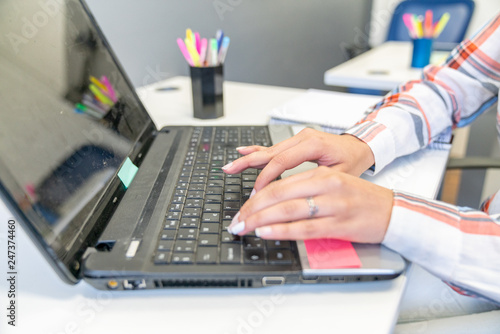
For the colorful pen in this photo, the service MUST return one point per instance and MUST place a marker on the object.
(407, 19)
(441, 24)
(428, 24)
(219, 35)
(193, 53)
(184, 51)
(213, 52)
(111, 91)
(203, 51)
(100, 95)
(197, 42)
(223, 49)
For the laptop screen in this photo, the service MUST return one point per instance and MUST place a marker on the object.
(69, 117)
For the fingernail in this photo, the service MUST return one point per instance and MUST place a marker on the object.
(229, 165)
(263, 231)
(252, 193)
(235, 219)
(236, 228)
(241, 148)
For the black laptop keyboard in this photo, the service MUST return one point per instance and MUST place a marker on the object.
(206, 200)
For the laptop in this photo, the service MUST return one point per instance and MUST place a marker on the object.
(109, 198)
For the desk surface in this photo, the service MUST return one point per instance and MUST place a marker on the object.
(47, 305)
(381, 68)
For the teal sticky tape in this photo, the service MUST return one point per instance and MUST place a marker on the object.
(127, 172)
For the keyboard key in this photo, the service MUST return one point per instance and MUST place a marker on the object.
(173, 215)
(175, 207)
(232, 197)
(232, 206)
(190, 222)
(254, 256)
(280, 256)
(211, 218)
(165, 245)
(168, 234)
(195, 194)
(191, 213)
(162, 258)
(252, 242)
(277, 244)
(215, 183)
(178, 199)
(209, 228)
(212, 208)
(171, 225)
(248, 185)
(227, 237)
(207, 255)
(230, 253)
(194, 203)
(214, 191)
(187, 233)
(182, 258)
(185, 246)
(213, 199)
(208, 240)
(232, 189)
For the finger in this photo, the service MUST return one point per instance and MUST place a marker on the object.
(260, 157)
(301, 230)
(285, 211)
(245, 150)
(298, 186)
(284, 161)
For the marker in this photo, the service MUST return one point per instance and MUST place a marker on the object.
(223, 50)
(94, 104)
(99, 84)
(184, 51)
(213, 52)
(111, 91)
(418, 26)
(203, 51)
(193, 53)
(190, 35)
(441, 24)
(197, 42)
(100, 95)
(80, 108)
(407, 19)
(428, 24)
(219, 35)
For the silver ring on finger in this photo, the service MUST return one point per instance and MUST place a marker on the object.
(313, 208)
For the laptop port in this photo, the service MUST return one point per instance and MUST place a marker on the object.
(273, 280)
(309, 279)
(135, 284)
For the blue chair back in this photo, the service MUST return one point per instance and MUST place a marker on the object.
(454, 32)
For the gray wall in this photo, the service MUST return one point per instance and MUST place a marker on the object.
(286, 42)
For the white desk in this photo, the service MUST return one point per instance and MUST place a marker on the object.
(47, 305)
(381, 68)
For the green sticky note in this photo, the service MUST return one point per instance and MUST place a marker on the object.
(127, 172)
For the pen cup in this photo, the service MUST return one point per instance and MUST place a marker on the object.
(206, 84)
(422, 48)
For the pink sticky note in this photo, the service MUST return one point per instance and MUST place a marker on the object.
(331, 253)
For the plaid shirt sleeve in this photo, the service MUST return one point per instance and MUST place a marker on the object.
(415, 113)
(459, 245)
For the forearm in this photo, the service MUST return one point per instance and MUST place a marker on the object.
(457, 245)
(414, 114)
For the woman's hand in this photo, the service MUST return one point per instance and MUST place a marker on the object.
(343, 153)
(342, 207)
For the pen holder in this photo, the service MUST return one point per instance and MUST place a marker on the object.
(422, 48)
(206, 84)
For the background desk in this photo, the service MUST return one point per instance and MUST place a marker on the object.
(47, 305)
(381, 68)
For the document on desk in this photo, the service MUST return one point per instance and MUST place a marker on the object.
(334, 111)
